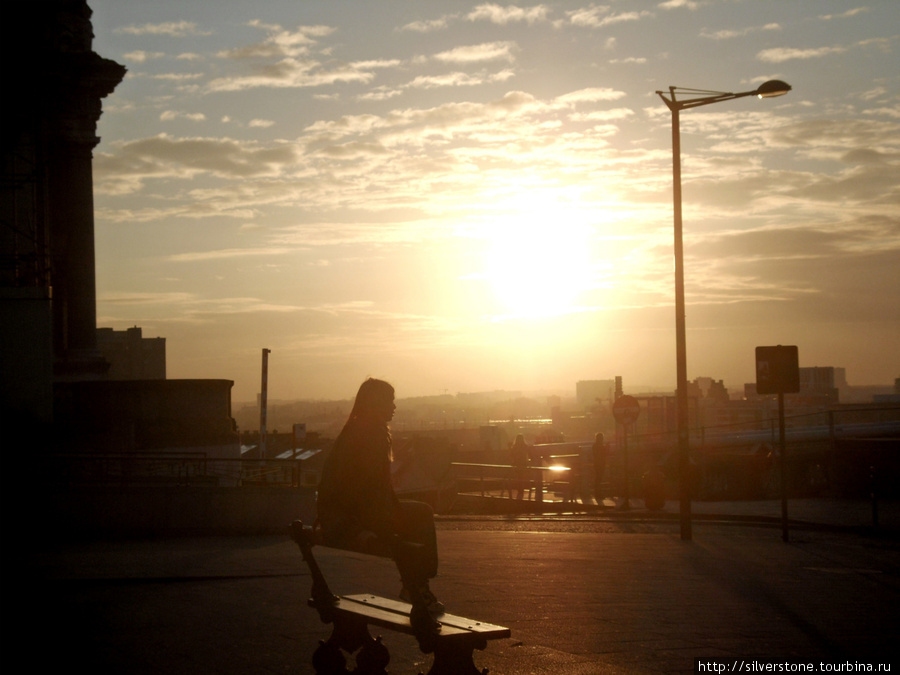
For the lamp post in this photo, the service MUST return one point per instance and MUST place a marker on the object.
(698, 97)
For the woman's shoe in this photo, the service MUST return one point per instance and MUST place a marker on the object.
(422, 597)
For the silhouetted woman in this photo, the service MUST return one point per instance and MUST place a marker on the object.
(519, 456)
(599, 450)
(357, 506)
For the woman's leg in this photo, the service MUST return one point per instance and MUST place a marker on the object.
(414, 524)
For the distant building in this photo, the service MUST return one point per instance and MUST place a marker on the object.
(821, 383)
(588, 391)
(893, 397)
(708, 388)
(132, 356)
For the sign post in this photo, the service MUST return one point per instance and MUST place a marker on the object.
(626, 410)
(263, 404)
(299, 438)
(778, 372)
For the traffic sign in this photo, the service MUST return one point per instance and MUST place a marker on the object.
(777, 370)
(626, 409)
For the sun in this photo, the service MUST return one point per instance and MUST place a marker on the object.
(538, 258)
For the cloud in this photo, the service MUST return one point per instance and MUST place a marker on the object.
(591, 95)
(598, 16)
(171, 28)
(169, 115)
(144, 298)
(164, 156)
(873, 93)
(868, 184)
(488, 51)
(680, 4)
(832, 270)
(177, 77)
(781, 54)
(445, 118)
(280, 43)
(352, 150)
(329, 234)
(453, 79)
(602, 115)
(181, 209)
(509, 14)
(380, 94)
(838, 134)
(283, 60)
(882, 44)
(866, 156)
(845, 15)
(292, 73)
(140, 56)
(221, 254)
(883, 111)
(429, 26)
(727, 34)
(458, 79)
(863, 235)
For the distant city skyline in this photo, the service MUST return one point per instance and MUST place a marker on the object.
(464, 196)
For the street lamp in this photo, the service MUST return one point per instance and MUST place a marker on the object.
(698, 98)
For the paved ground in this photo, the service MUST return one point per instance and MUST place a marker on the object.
(608, 593)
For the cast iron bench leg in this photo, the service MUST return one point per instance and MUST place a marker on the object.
(351, 634)
(455, 657)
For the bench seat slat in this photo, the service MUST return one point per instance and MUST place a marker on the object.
(487, 630)
(377, 616)
(395, 614)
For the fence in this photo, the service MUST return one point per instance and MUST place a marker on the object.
(171, 469)
(491, 479)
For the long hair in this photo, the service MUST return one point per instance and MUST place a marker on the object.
(371, 394)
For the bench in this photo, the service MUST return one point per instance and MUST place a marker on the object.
(453, 645)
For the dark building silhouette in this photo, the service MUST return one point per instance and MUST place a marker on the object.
(52, 373)
(53, 87)
(130, 355)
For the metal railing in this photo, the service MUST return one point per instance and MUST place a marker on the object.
(170, 469)
(505, 478)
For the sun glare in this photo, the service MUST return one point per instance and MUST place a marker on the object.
(538, 260)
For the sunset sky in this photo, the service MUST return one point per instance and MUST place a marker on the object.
(461, 197)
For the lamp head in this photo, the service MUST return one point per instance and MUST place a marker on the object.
(773, 88)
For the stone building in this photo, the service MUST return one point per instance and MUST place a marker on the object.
(52, 373)
(53, 87)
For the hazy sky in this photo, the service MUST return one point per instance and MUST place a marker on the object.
(459, 196)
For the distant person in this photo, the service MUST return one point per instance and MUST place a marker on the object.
(599, 452)
(519, 457)
(358, 509)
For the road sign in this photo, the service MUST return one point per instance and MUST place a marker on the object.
(777, 370)
(626, 409)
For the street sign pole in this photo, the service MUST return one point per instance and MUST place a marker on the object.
(783, 445)
(626, 504)
(263, 404)
(625, 410)
(778, 372)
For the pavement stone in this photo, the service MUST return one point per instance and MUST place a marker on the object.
(601, 593)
